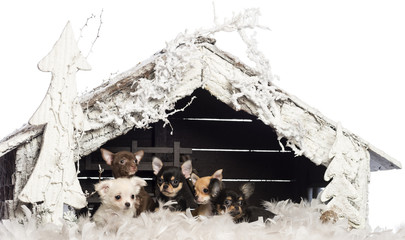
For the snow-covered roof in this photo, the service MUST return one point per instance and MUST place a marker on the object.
(147, 93)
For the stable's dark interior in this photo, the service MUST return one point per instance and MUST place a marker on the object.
(216, 136)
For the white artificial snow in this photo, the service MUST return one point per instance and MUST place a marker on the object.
(147, 94)
(184, 66)
(293, 221)
(177, 73)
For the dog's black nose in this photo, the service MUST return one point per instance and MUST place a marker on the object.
(234, 213)
(127, 204)
(165, 186)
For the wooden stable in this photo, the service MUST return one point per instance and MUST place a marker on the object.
(193, 98)
(216, 136)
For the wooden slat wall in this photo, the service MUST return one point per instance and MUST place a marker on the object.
(7, 170)
(215, 144)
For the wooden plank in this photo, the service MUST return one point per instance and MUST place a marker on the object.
(156, 149)
(92, 165)
(245, 164)
(19, 137)
(176, 150)
(118, 149)
(230, 145)
(176, 154)
(225, 135)
(180, 150)
(147, 166)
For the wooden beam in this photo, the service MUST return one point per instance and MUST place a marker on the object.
(176, 150)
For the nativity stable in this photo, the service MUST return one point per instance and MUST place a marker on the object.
(192, 99)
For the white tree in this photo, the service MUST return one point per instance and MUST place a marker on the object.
(347, 191)
(54, 179)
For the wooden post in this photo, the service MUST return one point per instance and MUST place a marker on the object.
(176, 150)
(176, 154)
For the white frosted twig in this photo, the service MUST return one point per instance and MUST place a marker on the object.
(84, 26)
(98, 33)
(152, 98)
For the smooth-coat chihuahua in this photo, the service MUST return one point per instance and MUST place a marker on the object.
(203, 191)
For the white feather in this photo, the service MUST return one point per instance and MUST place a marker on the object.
(293, 221)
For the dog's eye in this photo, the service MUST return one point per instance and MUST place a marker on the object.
(175, 183)
(160, 181)
(122, 161)
(228, 202)
(118, 197)
(205, 190)
(133, 196)
(240, 202)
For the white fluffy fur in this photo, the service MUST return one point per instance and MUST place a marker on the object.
(111, 207)
(294, 221)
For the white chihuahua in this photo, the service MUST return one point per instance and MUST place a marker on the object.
(118, 198)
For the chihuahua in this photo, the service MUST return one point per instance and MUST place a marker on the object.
(118, 198)
(234, 203)
(171, 184)
(203, 190)
(125, 164)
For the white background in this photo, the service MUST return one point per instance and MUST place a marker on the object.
(344, 58)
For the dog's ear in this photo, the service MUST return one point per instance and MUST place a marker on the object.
(187, 168)
(194, 178)
(247, 189)
(107, 156)
(137, 181)
(139, 156)
(157, 164)
(215, 187)
(103, 187)
(218, 174)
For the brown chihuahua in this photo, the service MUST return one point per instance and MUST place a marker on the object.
(125, 164)
(202, 187)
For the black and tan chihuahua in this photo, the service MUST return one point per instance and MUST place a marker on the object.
(234, 203)
(171, 183)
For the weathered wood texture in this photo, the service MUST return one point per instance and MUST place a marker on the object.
(21, 136)
(25, 161)
(216, 136)
(118, 89)
(140, 98)
(307, 133)
(7, 169)
(53, 180)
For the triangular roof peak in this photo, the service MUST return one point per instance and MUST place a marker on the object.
(148, 92)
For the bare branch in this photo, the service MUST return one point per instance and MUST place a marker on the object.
(85, 25)
(98, 33)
